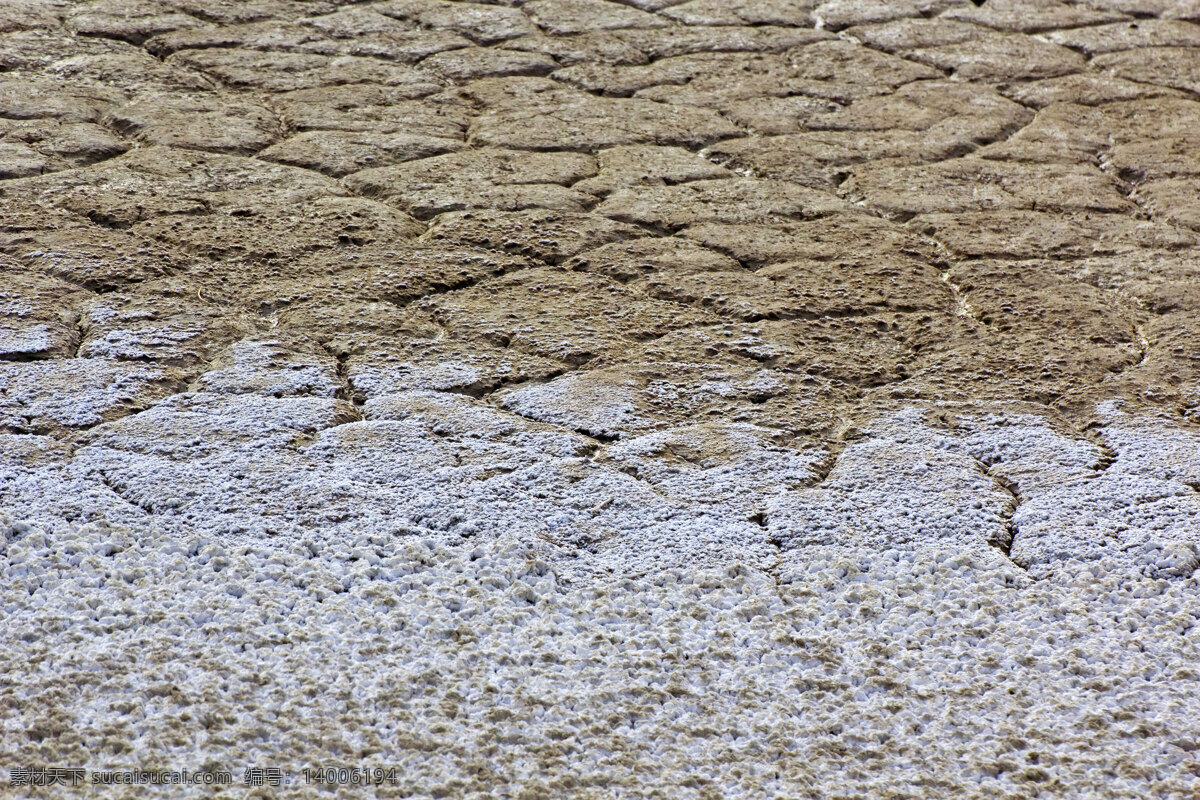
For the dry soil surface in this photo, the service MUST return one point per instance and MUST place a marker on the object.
(589, 399)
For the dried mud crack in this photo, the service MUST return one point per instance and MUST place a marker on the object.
(601, 398)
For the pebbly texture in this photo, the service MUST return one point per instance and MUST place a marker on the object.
(487, 675)
(603, 398)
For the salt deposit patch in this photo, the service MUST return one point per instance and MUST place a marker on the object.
(240, 464)
(480, 672)
(75, 393)
(250, 466)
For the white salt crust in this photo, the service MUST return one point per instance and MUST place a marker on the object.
(73, 392)
(958, 603)
(480, 672)
(264, 449)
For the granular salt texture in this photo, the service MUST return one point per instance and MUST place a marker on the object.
(1011, 480)
(238, 467)
(270, 367)
(479, 672)
(44, 395)
(242, 464)
(1142, 508)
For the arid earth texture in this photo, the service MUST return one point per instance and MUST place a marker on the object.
(594, 399)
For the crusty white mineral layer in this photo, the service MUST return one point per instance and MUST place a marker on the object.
(960, 602)
(482, 671)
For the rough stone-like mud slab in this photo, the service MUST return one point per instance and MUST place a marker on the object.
(602, 398)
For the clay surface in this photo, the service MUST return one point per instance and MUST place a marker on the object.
(603, 398)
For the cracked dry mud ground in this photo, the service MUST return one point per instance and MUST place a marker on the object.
(574, 398)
